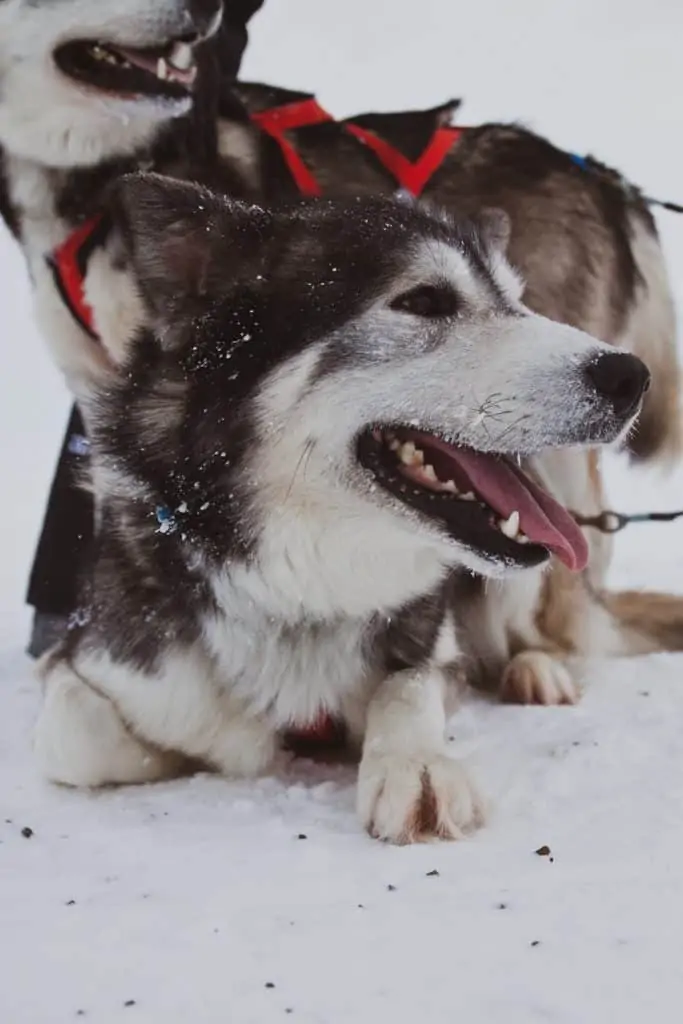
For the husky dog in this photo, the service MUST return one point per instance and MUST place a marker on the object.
(87, 92)
(269, 548)
(90, 91)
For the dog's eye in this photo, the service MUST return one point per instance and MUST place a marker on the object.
(427, 300)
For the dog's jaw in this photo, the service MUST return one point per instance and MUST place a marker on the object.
(50, 119)
(120, 129)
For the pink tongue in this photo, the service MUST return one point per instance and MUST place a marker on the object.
(505, 488)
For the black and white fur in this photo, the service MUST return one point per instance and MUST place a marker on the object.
(584, 241)
(62, 143)
(287, 582)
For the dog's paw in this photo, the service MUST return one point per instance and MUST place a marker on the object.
(534, 677)
(405, 800)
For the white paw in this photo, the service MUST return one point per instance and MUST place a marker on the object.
(404, 800)
(534, 677)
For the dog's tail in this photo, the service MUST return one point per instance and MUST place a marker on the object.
(651, 334)
(646, 621)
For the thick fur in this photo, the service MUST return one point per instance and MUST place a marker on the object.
(62, 145)
(583, 240)
(286, 582)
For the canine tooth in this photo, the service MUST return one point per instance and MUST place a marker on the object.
(469, 496)
(407, 453)
(450, 486)
(162, 69)
(522, 538)
(182, 57)
(510, 526)
(430, 472)
(394, 445)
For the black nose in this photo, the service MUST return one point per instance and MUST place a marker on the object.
(204, 14)
(620, 378)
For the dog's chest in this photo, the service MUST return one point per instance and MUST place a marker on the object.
(292, 673)
(106, 289)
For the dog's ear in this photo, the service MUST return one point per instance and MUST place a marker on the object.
(445, 113)
(182, 239)
(495, 227)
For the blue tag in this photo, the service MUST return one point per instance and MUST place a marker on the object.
(78, 445)
(580, 161)
(165, 519)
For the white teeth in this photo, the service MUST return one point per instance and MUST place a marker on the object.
(182, 57)
(106, 56)
(394, 445)
(510, 526)
(430, 473)
(450, 486)
(469, 496)
(522, 538)
(410, 455)
(162, 69)
(407, 453)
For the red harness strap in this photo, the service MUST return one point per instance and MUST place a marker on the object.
(279, 120)
(413, 177)
(69, 266)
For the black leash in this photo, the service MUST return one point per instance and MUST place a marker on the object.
(674, 207)
(588, 165)
(613, 522)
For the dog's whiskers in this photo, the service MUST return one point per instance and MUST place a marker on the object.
(303, 460)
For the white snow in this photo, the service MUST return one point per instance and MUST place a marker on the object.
(188, 898)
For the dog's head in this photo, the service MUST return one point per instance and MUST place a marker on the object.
(347, 390)
(85, 80)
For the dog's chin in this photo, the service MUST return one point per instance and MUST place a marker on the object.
(491, 511)
(162, 76)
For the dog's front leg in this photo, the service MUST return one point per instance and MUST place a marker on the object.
(107, 721)
(408, 787)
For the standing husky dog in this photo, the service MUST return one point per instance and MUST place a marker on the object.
(90, 90)
(266, 550)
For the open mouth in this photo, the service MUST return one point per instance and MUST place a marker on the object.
(168, 71)
(485, 501)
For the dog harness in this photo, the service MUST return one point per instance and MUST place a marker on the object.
(69, 262)
(411, 176)
(69, 265)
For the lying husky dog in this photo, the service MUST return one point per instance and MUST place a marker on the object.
(89, 91)
(265, 551)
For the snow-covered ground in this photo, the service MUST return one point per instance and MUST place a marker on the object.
(208, 901)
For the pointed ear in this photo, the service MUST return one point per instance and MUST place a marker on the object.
(495, 228)
(180, 238)
(445, 113)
